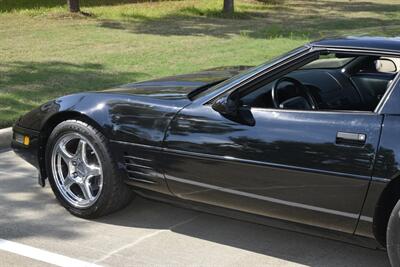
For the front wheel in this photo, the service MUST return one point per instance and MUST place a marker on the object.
(82, 174)
(393, 236)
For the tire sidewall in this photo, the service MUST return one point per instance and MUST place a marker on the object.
(393, 236)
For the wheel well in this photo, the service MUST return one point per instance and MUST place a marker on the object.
(386, 203)
(48, 128)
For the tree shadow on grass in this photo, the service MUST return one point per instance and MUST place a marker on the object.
(349, 6)
(301, 19)
(24, 85)
(9, 5)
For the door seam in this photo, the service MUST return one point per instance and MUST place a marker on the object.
(372, 174)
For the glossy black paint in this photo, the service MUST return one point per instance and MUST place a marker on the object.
(286, 165)
(387, 168)
(30, 155)
(170, 92)
(371, 43)
(134, 113)
(276, 166)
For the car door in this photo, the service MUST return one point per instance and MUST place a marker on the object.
(310, 167)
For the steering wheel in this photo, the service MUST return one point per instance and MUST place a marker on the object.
(299, 87)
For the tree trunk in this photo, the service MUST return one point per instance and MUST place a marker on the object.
(73, 6)
(228, 6)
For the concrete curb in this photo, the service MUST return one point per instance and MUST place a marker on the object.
(5, 137)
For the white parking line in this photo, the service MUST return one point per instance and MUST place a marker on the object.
(42, 255)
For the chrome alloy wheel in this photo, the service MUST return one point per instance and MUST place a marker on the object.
(77, 170)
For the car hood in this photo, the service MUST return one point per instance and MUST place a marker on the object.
(178, 87)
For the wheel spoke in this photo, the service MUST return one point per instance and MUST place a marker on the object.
(86, 191)
(81, 151)
(64, 154)
(68, 181)
(93, 171)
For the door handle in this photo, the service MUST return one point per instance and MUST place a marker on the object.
(351, 138)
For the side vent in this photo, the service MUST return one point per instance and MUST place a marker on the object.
(139, 169)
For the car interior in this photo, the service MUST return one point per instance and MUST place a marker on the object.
(333, 81)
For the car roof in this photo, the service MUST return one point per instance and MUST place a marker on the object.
(389, 44)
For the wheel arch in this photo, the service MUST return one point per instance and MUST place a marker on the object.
(384, 207)
(48, 127)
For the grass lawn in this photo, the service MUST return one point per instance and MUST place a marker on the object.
(45, 52)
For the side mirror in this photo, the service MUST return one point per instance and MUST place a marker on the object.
(225, 106)
(232, 110)
(385, 65)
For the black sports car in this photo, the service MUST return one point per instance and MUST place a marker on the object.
(311, 137)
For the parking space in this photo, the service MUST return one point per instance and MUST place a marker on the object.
(150, 233)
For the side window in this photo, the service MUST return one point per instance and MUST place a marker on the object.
(333, 81)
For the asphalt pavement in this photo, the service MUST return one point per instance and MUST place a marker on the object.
(36, 231)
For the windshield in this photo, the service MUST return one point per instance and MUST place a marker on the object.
(248, 73)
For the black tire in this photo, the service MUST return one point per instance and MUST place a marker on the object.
(393, 236)
(115, 195)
